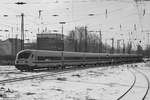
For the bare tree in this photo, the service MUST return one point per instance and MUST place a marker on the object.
(80, 40)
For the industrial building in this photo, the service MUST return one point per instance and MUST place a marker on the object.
(8, 50)
(50, 41)
(10, 46)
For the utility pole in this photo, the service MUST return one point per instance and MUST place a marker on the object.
(22, 25)
(22, 31)
(75, 41)
(85, 50)
(39, 26)
(73, 38)
(112, 45)
(129, 44)
(123, 46)
(62, 54)
(16, 44)
(148, 35)
(118, 46)
(62, 32)
(105, 45)
(100, 42)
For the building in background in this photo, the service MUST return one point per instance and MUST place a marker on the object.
(50, 41)
(8, 50)
(5, 48)
(10, 46)
(30, 45)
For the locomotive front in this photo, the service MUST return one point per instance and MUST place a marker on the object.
(24, 60)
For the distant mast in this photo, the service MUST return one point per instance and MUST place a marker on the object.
(22, 31)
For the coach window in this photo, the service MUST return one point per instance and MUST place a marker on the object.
(40, 58)
(73, 58)
(92, 58)
(48, 58)
(32, 56)
(55, 58)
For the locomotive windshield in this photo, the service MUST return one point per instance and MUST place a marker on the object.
(24, 55)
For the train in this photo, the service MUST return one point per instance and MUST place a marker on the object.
(29, 60)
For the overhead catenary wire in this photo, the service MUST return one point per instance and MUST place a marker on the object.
(95, 15)
(80, 19)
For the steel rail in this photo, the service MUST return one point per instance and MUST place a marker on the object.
(55, 72)
(31, 77)
(130, 86)
(148, 84)
(10, 72)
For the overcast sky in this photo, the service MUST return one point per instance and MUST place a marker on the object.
(76, 13)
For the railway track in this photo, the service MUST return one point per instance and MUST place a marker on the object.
(125, 93)
(33, 76)
(49, 73)
(131, 92)
(10, 72)
(135, 91)
(148, 84)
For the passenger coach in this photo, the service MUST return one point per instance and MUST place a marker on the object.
(29, 60)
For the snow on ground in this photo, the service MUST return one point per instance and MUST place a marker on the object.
(104, 83)
(145, 68)
(7, 72)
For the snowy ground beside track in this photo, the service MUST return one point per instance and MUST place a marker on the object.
(7, 72)
(104, 83)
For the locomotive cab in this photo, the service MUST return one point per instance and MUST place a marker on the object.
(24, 59)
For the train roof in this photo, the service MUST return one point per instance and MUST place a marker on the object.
(72, 54)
